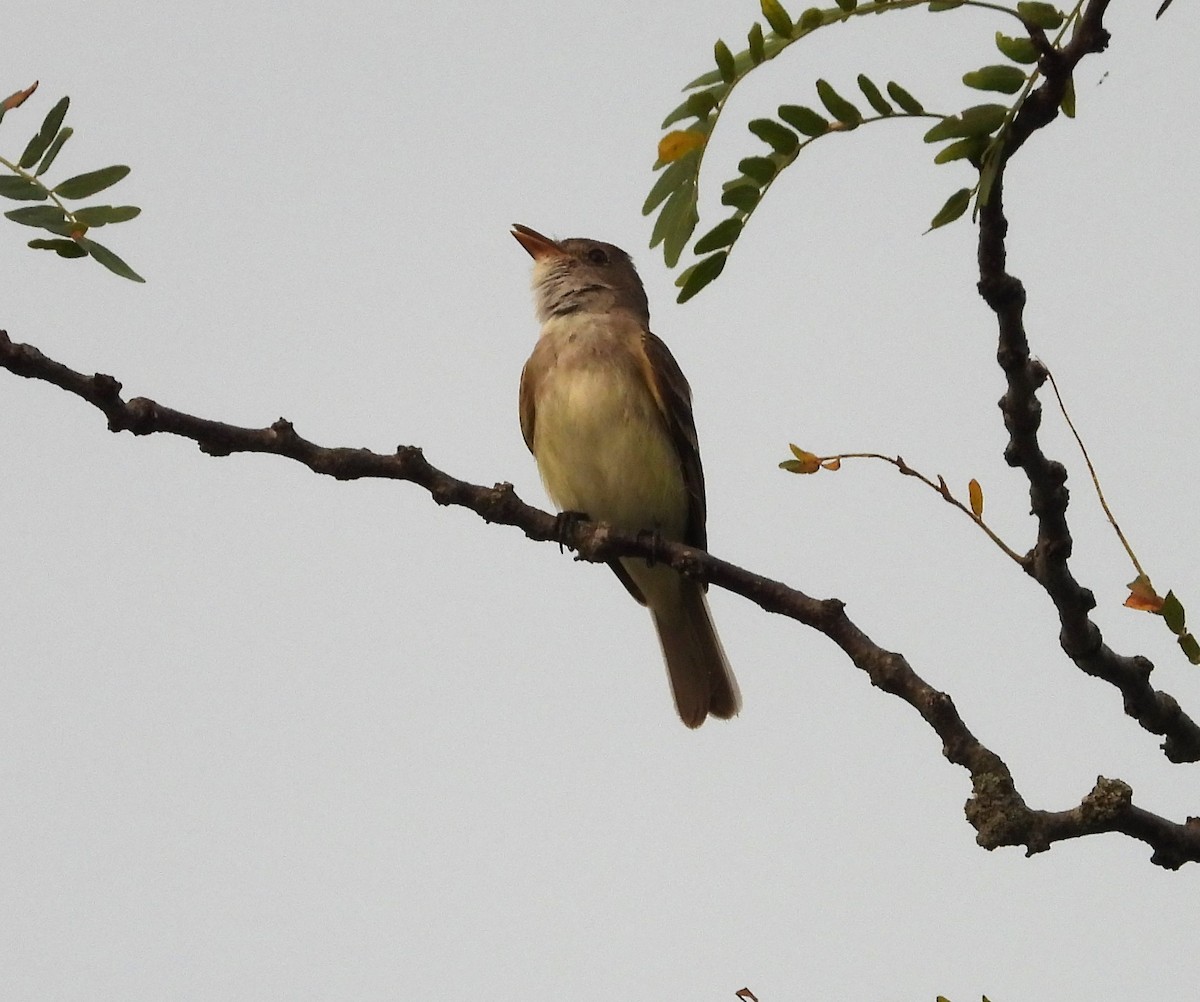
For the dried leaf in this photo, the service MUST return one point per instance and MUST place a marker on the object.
(805, 461)
(1142, 596)
(19, 98)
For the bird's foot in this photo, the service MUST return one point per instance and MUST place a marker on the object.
(564, 526)
(654, 538)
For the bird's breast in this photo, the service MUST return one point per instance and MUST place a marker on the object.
(600, 440)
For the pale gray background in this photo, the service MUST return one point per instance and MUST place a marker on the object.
(266, 735)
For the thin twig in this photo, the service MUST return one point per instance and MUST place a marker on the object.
(1095, 479)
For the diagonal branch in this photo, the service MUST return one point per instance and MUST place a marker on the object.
(996, 809)
(1156, 711)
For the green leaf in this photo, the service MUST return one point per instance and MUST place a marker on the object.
(50, 126)
(955, 206)
(697, 105)
(991, 170)
(847, 5)
(680, 234)
(701, 103)
(64, 229)
(838, 106)
(721, 235)
(1019, 50)
(1190, 648)
(54, 117)
(874, 98)
(33, 149)
(724, 60)
(55, 147)
(980, 120)
(803, 119)
(64, 248)
(811, 19)
(1068, 99)
(1040, 15)
(755, 38)
(86, 185)
(779, 137)
(970, 148)
(1172, 612)
(676, 221)
(675, 175)
(778, 18)
(760, 169)
(940, 5)
(741, 196)
(38, 215)
(109, 259)
(49, 129)
(947, 128)
(100, 215)
(699, 275)
(21, 189)
(685, 110)
(1003, 78)
(669, 213)
(903, 98)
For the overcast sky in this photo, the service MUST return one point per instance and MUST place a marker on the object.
(266, 735)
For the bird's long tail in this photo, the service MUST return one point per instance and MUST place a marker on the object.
(701, 679)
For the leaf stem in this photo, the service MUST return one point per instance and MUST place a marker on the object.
(49, 192)
(942, 490)
(1095, 479)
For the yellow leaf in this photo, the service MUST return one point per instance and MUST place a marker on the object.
(805, 462)
(1142, 596)
(679, 143)
(832, 464)
(975, 492)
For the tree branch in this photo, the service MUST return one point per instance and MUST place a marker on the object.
(996, 809)
(1080, 637)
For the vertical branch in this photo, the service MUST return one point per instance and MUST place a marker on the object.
(1080, 638)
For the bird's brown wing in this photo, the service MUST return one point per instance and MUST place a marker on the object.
(674, 399)
(527, 400)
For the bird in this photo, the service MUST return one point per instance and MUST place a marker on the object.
(607, 413)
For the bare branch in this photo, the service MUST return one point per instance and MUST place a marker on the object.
(1080, 637)
(996, 809)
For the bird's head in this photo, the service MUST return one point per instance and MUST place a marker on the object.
(580, 275)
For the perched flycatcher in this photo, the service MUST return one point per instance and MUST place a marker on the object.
(607, 414)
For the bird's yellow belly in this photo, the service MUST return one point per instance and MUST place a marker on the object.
(602, 448)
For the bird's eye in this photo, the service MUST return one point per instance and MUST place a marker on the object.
(597, 256)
